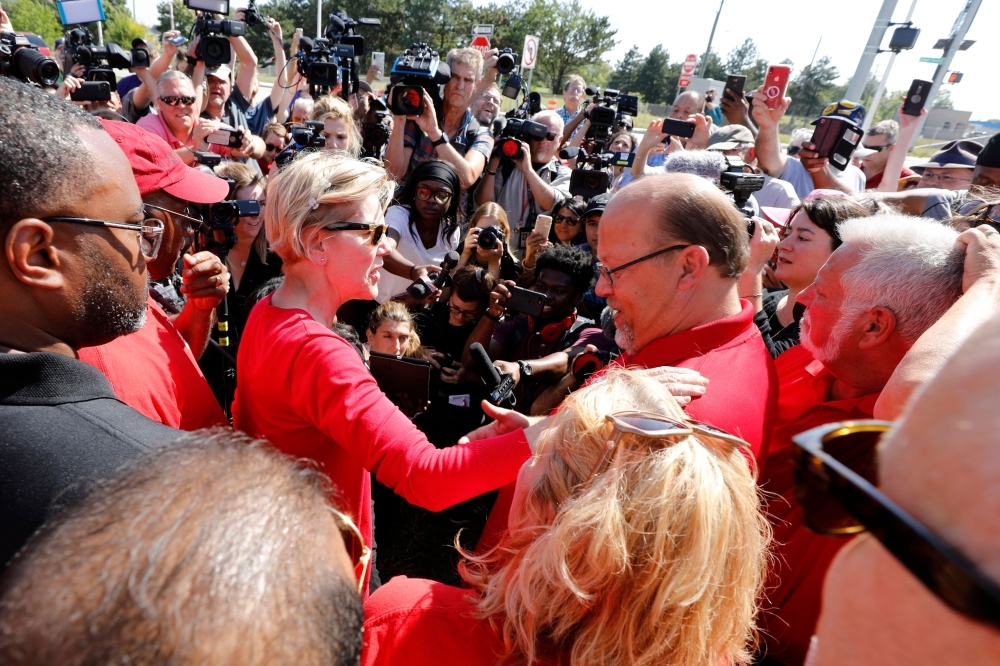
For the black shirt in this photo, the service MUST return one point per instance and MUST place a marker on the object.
(61, 430)
(778, 338)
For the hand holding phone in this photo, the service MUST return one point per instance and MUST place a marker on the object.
(775, 84)
(916, 98)
(524, 301)
(543, 225)
(178, 40)
(735, 84)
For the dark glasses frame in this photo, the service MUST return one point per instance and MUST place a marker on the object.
(149, 231)
(376, 230)
(947, 573)
(429, 194)
(609, 273)
(178, 100)
(567, 220)
(637, 423)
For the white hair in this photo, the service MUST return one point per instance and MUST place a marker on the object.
(908, 265)
(705, 163)
(172, 75)
(799, 135)
(542, 115)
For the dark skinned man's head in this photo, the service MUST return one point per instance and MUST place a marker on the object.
(565, 273)
(169, 186)
(67, 283)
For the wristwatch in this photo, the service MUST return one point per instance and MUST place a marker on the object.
(525, 369)
(441, 140)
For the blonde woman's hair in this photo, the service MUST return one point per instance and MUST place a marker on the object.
(314, 185)
(331, 107)
(397, 312)
(659, 559)
(496, 211)
(243, 176)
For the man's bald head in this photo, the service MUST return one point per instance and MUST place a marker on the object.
(215, 550)
(682, 207)
(687, 104)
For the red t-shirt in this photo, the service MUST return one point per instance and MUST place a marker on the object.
(305, 389)
(741, 396)
(873, 182)
(425, 623)
(154, 371)
(795, 585)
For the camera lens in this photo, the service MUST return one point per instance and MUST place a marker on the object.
(505, 63)
(36, 67)
(488, 238)
(510, 148)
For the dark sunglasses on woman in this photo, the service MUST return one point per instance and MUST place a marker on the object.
(376, 230)
(836, 472)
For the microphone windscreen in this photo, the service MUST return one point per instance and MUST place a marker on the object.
(485, 366)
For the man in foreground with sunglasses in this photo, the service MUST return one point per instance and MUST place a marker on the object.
(923, 588)
(155, 370)
(893, 277)
(76, 240)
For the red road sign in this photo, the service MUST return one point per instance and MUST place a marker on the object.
(684, 81)
(689, 64)
(481, 43)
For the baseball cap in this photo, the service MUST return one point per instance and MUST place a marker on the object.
(776, 216)
(860, 153)
(220, 72)
(852, 112)
(156, 166)
(597, 204)
(729, 137)
(953, 155)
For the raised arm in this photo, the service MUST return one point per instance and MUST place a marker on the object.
(897, 154)
(279, 88)
(768, 145)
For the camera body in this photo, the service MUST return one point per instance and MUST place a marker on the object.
(593, 181)
(252, 17)
(22, 61)
(739, 185)
(308, 136)
(490, 237)
(218, 233)
(418, 69)
(98, 61)
(613, 107)
(213, 47)
(375, 128)
(506, 61)
(508, 144)
(319, 62)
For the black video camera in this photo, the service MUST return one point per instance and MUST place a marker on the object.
(349, 47)
(593, 179)
(305, 137)
(22, 61)
(613, 107)
(98, 61)
(514, 132)
(374, 128)
(319, 61)
(739, 186)
(418, 69)
(213, 47)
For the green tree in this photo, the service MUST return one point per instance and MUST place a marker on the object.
(714, 69)
(755, 74)
(120, 27)
(813, 88)
(653, 79)
(570, 38)
(183, 17)
(943, 99)
(626, 73)
(37, 16)
(742, 57)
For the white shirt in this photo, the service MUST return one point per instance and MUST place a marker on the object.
(411, 247)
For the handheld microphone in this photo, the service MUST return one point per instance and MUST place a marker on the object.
(501, 386)
(420, 290)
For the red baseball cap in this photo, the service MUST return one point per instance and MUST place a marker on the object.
(157, 167)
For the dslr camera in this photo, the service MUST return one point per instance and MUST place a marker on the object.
(739, 185)
(308, 136)
(490, 237)
(22, 61)
(418, 69)
(506, 61)
(252, 17)
(99, 61)
(213, 47)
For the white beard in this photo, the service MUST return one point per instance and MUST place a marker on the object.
(831, 350)
(625, 338)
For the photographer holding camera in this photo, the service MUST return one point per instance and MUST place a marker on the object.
(260, 114)
(531, 183)
(155, 370)
(450, 134)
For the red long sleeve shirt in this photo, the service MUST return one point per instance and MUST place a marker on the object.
(306, 390)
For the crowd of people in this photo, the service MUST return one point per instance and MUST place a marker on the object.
(733, 432)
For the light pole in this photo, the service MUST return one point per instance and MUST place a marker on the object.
(319, 18)
(860, 78)
(711, 36)
(877, 99)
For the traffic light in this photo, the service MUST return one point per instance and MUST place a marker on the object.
(955, 77)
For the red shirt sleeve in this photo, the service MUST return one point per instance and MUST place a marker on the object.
(335, 391)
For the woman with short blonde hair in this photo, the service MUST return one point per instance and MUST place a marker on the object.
(622, 548)
(339, 128)
(305, 389)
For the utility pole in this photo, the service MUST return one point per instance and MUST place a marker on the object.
(319, 18)
(711, 36)
(877, 99)
(953, 45)
(860, 77)
(172, 27)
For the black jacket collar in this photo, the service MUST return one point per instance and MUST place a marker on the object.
(43, 378)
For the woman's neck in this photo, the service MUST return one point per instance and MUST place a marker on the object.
(428, 230)
(786, 307)
(308, 290)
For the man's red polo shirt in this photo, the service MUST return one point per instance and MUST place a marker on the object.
(154, 372)
(742, 393)
(795, 585)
